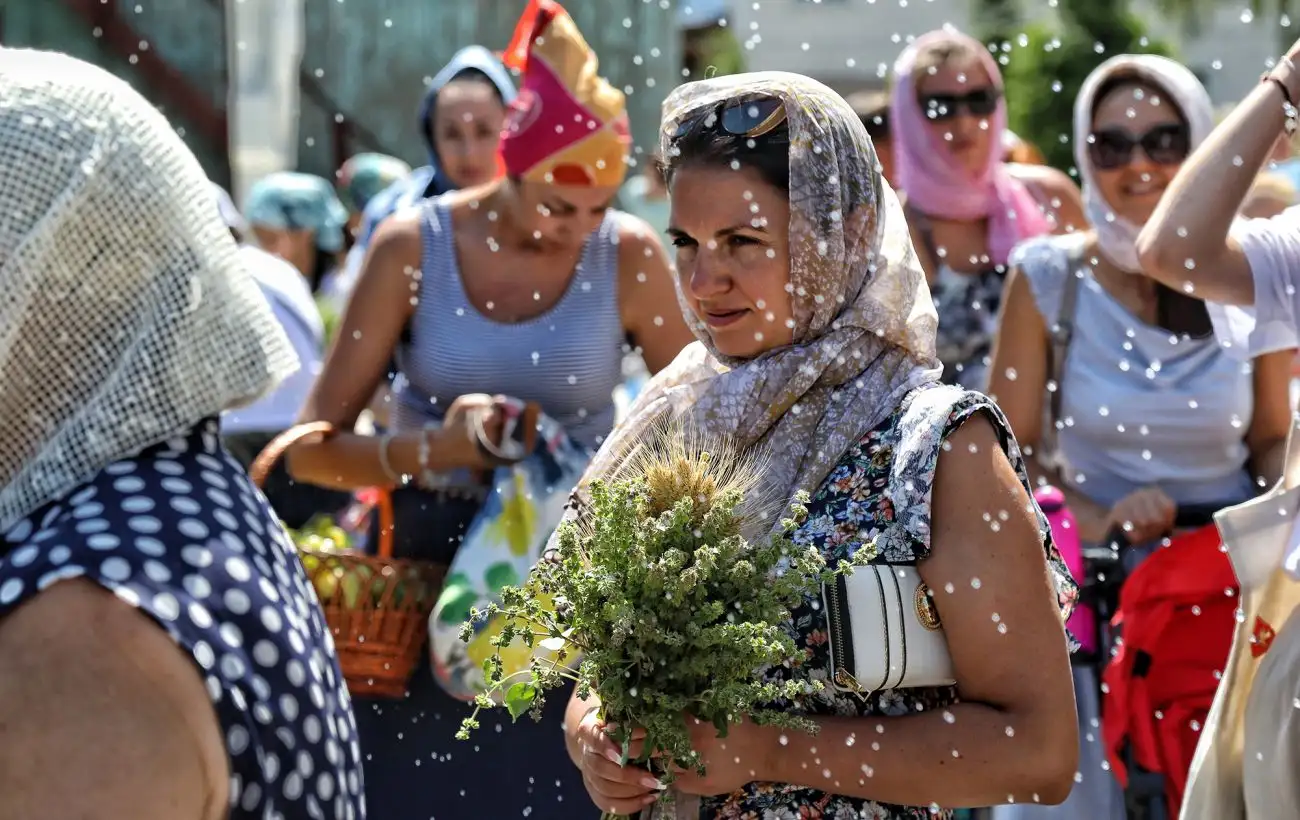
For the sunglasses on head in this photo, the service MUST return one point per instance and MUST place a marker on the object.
(1112, 148)
(740, 118)
(982, 102)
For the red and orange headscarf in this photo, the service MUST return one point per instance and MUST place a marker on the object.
(568, 126)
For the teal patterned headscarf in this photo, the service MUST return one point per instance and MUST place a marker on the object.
(365, 175)
(297, 202)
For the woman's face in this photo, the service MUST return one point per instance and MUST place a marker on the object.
(958, 100)
(1137, 145)
(731, 230)
(298, 248)
(466, 129)
(562, 216)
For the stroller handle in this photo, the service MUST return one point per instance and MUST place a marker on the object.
(1189, 516)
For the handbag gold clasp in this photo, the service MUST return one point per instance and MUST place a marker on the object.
(926, 612)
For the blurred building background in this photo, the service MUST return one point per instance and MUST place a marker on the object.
(258, 85)
(850, 44)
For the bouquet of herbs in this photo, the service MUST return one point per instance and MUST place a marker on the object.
(672, 603)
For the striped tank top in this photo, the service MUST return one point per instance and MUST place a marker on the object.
(568, 360)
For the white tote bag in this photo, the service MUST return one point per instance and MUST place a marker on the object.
(1241, 748)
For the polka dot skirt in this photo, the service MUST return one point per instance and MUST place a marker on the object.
(180, 532)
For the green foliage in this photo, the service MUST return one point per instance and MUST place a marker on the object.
(997, 20)
(330, 318)
(672, 610)
(1045, 66)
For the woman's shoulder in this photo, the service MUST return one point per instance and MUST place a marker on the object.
(1054, 191)
(1045, 255)
(894, 465)
(1048, 180)
(1042, 174)
(636, 239)
(1046, 263)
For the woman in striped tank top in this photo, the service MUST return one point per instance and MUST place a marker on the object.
(528, 286)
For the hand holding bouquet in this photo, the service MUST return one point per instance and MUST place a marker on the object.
(675, 605)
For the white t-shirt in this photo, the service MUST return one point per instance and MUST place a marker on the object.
(1272, 247)
(291, 301)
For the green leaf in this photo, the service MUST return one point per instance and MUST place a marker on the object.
(519, 698)
(720, 723)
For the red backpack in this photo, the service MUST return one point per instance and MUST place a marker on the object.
(1177, 618)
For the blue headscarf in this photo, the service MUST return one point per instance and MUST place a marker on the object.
(430, 181)
(296, 202)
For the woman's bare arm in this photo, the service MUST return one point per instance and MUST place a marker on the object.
(383, 301)
(1018, 377)
(647, 296)
(1271, 420)
(1186, 241)
(103, 716)
(1014, 733)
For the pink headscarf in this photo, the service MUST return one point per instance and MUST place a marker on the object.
(935, 183)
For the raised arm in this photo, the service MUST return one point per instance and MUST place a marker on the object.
(1186, 241)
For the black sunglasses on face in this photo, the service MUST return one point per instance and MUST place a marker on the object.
(741, 118)
(982, 102)
(1112, 148)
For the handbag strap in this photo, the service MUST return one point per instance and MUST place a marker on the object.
(1062, 333)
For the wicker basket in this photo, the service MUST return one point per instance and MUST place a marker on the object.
(379, 626)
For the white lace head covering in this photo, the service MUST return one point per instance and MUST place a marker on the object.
(1116, 236)
(864, 324)
(126, 317)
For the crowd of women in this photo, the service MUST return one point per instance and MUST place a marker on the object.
(911, 317)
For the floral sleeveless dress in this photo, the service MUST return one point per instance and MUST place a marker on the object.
(879, 491)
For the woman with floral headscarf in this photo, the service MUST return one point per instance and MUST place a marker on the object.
(1152, 412)
(529, 286)
(966, 206)
(162, 653)
(816, 348)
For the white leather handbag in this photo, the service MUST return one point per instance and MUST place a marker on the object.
(884, 631)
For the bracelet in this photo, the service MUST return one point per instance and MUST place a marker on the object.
(385, 441)
(1281, 86)
(1281, 75)
(1288, 104)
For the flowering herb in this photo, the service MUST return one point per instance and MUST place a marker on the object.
(672, 608)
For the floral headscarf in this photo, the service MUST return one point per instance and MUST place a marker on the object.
(864, 331)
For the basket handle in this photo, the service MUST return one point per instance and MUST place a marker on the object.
(273, 452)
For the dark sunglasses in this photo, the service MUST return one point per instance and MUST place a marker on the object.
(1112, 148)
(982, 102)
(741, 118)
